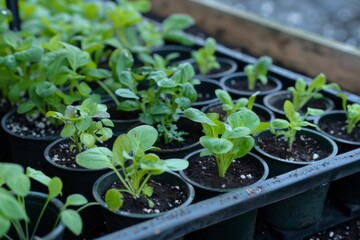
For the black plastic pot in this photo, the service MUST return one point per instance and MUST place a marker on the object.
(206, 92)
(5, 155)
(275, 102)
(34, 203)
(241, 227)
(227, 66)
(228, 82)
(122, 219)
(303, 209)
(28, 151)
(263, 113)
(345, 189)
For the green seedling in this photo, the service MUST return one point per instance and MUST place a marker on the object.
(130, 162)
(226, 141)
(205, 57)
(302, 94)
(352, 112)
(258, 71)
(294, 123)
(15, 185)
(85, 125)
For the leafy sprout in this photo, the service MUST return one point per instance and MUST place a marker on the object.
(205, 57)
(294, 123)
(15, 186)
(352, 112)
(302, 94)
(85, 124)
(136, 166)
(258, 71)
(226, 141)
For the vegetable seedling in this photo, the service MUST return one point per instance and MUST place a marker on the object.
(258, 71)
(352, 112)
(205, 57)
(136, 166)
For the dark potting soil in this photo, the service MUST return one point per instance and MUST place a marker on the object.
(35, 126)
(241, 84)
(205, 95)
(242, 172)
(119, 114)
(337, 128)
(165, 197)
(218, 109)
(304, 149)
(313, 103)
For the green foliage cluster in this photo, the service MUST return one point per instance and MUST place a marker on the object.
(205, 57)
(258, 71)
(352, 112)
(130, 162)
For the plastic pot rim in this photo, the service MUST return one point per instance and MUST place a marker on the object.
(210, 81)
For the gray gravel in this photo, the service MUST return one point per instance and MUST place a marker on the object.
(335, 19)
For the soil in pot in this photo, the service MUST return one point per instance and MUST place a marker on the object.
(227, 66)
(206, 92)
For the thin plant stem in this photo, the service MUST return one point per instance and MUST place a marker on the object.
(108, 91)
(16, 224)
(144, 182)
(40, 216)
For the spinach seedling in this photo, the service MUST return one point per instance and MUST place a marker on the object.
(302, 94)
(226, 141)
(136, 166)
(85, 124)
(205, 57)
(230, 106)
(352, 112)
(288, 128)
(258, 71)
(15, 187)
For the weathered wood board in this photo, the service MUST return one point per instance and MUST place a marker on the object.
(294, 49)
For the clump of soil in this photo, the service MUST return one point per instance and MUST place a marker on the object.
(304, 149)
(165, 197)
(36, 126)
(242, 172)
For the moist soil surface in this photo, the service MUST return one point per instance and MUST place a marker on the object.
(304, 149)
(165, 197)
(337, 128)
(36, 126)
(241, 173)
(313, 103)
(205, 91)
(241, 84)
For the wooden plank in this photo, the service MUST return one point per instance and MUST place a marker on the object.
(292, 48)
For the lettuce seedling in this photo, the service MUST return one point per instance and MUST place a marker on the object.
(288, 128)
(14, 188)
(136, 166)
(230, 106)
(205, 57)
(352, 112)
(85, 124)
(226, 141)
(302, 94)
(258, 71)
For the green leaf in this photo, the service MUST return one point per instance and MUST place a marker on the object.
(174, 164)
(20, 185)
(216, 145)
(179, 37)
(75, 200)
(9, 170)
(95, 158)
(88, 140)
(223, 96)
(84, 124)
(243, 146)
(290, 111)
(55, 187)
(148, 191)
(10, 207)
(98, 73)
(72, 220)
(279, 124)
(107, 122)
(4, 226)
(143, 137)
(84, 89)
(126, 93)
(126, 79)
(45, 89)
(177, 22)
(38, 176)
(121, 144)
(25, 107)
(114, 199)
(10, 39)
(76, 57)
(263, 65)
(68, 131)
(166, 83)
(197, 116)
(315, 111)
(33, 54)
(246, 118)
(237, 132)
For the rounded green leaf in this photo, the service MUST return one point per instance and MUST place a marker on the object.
(244, 118)
(114, 199)
(121, 144)
(72, 220)
(25, 107)
(68, 130)
(237, 132)
(148, 191)
(84, 124)
(76, 200)
(45, 89)
(175, 164)
(55, 187)
(143, 137)
(38, 176)
(126, 93)
(95, 158)
(10, 207)
(20, 185)
(4, 226)
(216, 145)
(88, 140)
(279, 124)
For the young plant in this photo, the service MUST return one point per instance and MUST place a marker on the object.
(163, 100)
(14, 188)
(226, 141)
(288, 128)
(301, 94)
(230, 106)
(85, 124)
(258, 71)
(352, 112)
(130, 162)
(205, 57)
